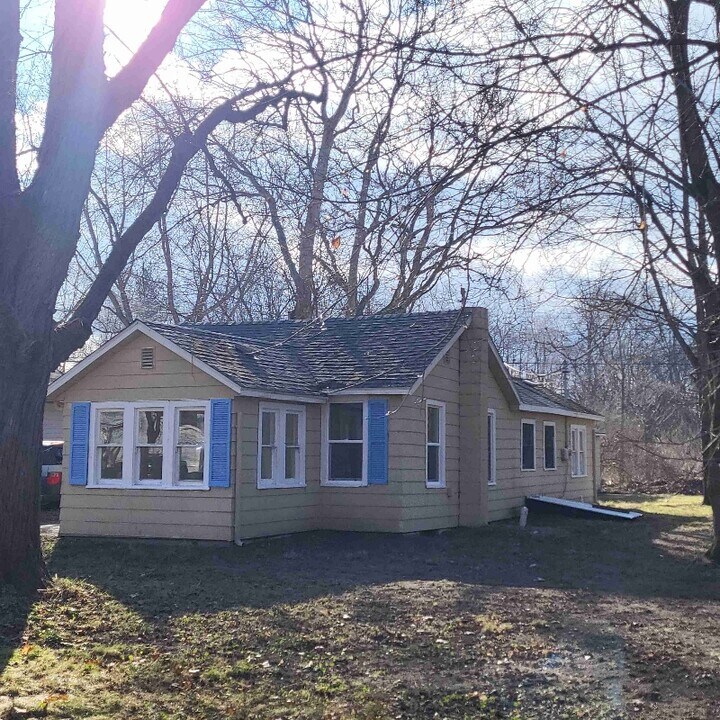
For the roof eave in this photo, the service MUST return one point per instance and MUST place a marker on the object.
(541, 409)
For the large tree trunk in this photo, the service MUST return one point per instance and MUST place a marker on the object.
(712, 498)
(709, 396)
(24, 372)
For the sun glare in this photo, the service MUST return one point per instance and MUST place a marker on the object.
(128, 23)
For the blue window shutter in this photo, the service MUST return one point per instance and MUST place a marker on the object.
(79, 443)
(220, 417)
(377, 442)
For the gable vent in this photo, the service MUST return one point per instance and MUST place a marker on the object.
(147, 358)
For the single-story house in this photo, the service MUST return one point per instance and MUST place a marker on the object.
(393, 423)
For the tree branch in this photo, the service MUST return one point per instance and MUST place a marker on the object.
(128, 84)
(9, 52)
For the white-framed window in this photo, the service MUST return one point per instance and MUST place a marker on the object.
(149, 445)
(549, 446)
(578, 450)
(344, 441)
(491, 447)
(527, 444)
(109, 444)
(434, 444)
(281, 446)
(149, 450)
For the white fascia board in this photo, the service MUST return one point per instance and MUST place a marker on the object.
(139, 326)
(437, 359)
(540, 409)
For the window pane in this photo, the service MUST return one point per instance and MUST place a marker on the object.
(433, 424)
(191, 461)
(346, 421)
(549, 446)
(291, 462)
(268, 428)
(528, 446)
(433, 463)
(111, 427)
(150, 427)
(346, 461)
(151, 462)
(266, 456)
(291, 429)
(191, 430)
(111, 463)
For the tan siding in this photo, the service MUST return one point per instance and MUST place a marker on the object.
(243, 511)
(278, 510)
(201, 515)
(426, 508)
(513, 485)
(52, 422)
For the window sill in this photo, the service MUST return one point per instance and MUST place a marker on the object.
(550, 469)
(344, 483)
(584, 475)
(162, 488)
(435, 485)
(492, 483)
(270, 485)
(528, 469)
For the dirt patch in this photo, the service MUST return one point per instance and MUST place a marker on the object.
(567, 619)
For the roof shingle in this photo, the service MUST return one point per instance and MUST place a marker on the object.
(319, 357)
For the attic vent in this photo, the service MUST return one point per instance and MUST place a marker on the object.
(147, 358)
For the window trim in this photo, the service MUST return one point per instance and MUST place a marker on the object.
(582, 432)
(279, 481)
(546, 424)
(492, 447)
(130, 479)
(524, 422)
(325, 456)
(441, 482)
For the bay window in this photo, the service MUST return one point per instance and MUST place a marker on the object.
(281, 446)
(151, 445)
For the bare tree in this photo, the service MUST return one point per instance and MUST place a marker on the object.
(633, 93)
(40, 223)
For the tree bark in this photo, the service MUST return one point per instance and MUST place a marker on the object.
(25, 363)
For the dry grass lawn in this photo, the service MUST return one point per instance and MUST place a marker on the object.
(565, 619)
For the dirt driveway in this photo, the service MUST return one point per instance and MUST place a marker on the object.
(565, 619)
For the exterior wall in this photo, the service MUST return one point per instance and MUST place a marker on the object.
(136, 512)
(405, 504)
(462, 380)
(52, 422)
(474, 371)
(275, 511)
(426, 508)
(513, 484)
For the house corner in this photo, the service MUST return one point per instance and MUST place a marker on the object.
(473, 418)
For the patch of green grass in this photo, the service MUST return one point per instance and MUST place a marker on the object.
(677, 505)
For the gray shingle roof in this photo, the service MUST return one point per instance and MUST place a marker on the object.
(321, 356)
(538, 396)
